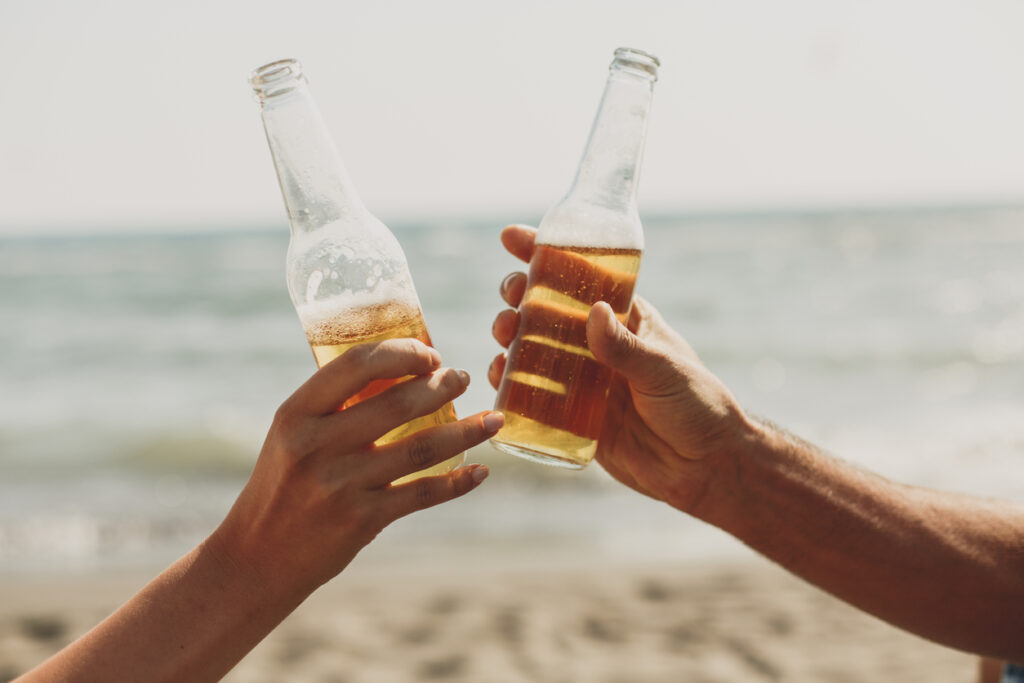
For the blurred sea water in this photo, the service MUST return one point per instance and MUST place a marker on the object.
(139, 373)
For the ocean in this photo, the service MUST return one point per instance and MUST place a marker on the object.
(139, 374)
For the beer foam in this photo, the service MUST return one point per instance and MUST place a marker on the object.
(592, 226)
(327, 323)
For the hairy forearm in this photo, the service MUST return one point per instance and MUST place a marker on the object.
(193, 622)
(945, 566)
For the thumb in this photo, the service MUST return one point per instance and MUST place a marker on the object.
(621, 350)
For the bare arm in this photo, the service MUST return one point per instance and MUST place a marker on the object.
(945, 566)
(195, 621)
(320, 491)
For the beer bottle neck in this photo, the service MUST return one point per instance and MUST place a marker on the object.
(316, 188)
(609, 171)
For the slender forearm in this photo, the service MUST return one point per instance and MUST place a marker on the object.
(319, 492)
(945, 566)
(193, 622)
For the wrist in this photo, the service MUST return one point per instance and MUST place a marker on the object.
(247, 567)
(729, 473)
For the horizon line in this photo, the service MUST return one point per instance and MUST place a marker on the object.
(198, 226)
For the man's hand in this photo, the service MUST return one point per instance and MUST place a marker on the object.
(669, 421)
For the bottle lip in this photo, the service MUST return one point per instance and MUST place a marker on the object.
(277, 78)
(636, 61)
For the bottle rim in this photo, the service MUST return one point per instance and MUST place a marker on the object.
(276, 78)
(637, 61)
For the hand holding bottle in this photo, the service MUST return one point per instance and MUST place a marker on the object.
(346, 272)
(321, 490)
(588, 249)
(670, 423)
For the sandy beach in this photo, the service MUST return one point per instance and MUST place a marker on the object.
(736, 621)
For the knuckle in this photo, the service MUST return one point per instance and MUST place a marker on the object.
(283, 416)
(407, 346)
(293, 437)
(422, 452)
(471, 430)
(287, 424)
(287, 412)
(416, 346)
(359, 354)
(451, 382)
(423, 493)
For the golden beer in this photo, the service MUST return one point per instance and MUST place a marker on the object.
(346, 272)
(553, 392)
(588, 246)
(331, 337)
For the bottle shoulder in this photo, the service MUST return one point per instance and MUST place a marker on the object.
(591, 225)
(346, 265)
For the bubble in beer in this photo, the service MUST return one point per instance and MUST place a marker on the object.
(331, 336)
(553, 391)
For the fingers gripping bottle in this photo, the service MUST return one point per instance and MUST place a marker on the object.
(553, 392)
(346, 272)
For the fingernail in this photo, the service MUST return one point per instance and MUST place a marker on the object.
(494, 421)
(435, 356)
(480, 473)
(505, 282)
(464, 376)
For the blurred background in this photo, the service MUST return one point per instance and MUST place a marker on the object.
(831, 193)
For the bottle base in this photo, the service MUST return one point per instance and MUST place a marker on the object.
(537, 456)
(541, 443)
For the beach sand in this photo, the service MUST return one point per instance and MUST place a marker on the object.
(734, 621)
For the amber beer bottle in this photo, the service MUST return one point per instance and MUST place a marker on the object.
(553, 392)
(346, 272)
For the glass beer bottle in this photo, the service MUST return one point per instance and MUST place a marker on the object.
(553, 392)
(346, 272)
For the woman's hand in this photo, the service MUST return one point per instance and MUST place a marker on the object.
(321, 489)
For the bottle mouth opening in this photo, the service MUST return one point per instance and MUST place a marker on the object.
(637, 61)
(276, 78)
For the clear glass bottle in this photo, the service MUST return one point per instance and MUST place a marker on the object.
(346, 272)
(553, 392)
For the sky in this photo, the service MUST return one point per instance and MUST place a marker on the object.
(132, 115)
